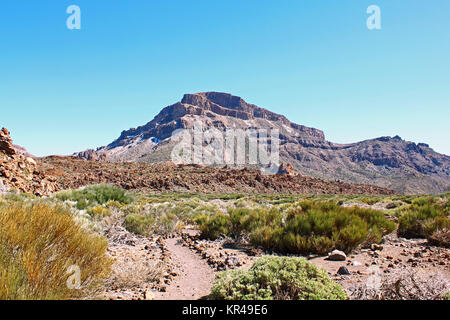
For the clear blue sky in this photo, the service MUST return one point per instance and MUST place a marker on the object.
(316, 62)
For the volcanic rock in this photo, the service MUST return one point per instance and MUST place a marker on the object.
(337, 255)
(6, 145)
(21, 173)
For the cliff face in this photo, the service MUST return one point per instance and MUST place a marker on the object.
(388, 162)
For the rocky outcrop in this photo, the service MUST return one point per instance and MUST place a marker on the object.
(6, 145)
(91, 154)
(394, 163)
(21, 173)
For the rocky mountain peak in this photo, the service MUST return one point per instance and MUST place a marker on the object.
(221, 110)
(224, 100)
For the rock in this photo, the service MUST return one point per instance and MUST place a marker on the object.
(20, 173)
(343, 271)
(336, 255)
(254, 252)
(376, 247)
(356, 263)
(30, 161)
(232, 261)
(286, 169)
(6, 143)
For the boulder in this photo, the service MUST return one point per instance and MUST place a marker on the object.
(376, 247)
(343, 271)
(337, 255)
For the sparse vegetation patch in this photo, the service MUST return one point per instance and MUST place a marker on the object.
(277, 278)
(95, 195)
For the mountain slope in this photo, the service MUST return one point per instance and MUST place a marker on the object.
(393, 163)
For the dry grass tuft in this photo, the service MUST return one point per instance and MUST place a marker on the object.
(128, 273)
(38, 244)
(406, 284)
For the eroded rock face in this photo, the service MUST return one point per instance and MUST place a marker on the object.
(21, 173)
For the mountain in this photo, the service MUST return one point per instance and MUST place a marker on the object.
(389, 162)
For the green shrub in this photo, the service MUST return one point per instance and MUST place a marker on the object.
(424, 217)
(305, 227)
(370, 201)
(95, 195)
(163, 218)
(213, 226)
(140, 224)
(277, 278)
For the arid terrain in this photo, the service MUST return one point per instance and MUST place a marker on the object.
(168, 177)
(163, 231)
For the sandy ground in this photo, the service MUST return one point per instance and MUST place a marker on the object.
(187, 266)
(193, 278)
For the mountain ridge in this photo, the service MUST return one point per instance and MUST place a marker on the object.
(390, 162)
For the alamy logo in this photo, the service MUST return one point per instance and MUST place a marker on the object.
(74, 280)
(74, 20)
(238, 147)
(374, 279)
(374, 20)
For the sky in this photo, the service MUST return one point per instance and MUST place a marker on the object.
(315, 62)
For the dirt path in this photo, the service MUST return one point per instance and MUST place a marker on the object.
(194, 277)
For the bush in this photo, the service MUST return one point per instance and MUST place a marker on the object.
(38, 244)
(213, 226)
(423, 218)
(305, 227)
(99, 212)
(277, 278)
(95, 195)
(165, 218)
(140, 224)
